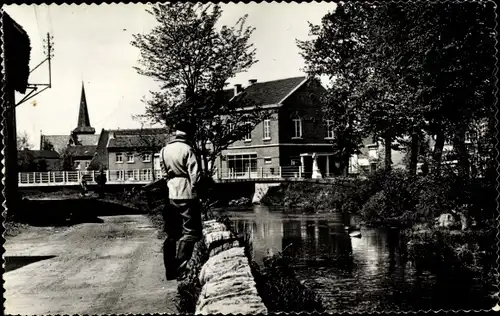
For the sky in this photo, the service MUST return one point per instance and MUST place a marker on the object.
(92, 45)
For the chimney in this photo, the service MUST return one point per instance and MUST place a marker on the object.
(237, 89)
(252, 81)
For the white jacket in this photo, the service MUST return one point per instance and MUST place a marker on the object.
(181, 167)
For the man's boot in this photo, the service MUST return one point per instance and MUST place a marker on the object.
(184, 253)
(169, 260)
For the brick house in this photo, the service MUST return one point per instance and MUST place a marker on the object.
(129, 153)
(291, 138)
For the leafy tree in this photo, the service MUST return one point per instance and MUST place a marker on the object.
(192, 59)
(47, 145)
(337, 51)
(449, 61)
(150, 144)
(430, 70)
(67, 161)
(23, 141)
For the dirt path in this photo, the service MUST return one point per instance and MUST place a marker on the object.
(114, 267)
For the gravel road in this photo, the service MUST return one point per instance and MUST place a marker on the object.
(113, 267)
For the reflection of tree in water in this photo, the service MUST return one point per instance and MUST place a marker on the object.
(265, 235)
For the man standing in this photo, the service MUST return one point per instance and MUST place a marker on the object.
(182, 215)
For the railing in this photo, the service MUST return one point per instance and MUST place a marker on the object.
(260, 173)
(144, 176)
(55, 178)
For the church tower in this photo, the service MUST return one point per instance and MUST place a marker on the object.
(83, 126)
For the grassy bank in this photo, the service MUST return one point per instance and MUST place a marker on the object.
(392, 198)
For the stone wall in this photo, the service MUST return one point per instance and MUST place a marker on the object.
(261, 190)
(228, 286)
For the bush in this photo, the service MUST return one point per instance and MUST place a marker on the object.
(280, 289)
(471, 253)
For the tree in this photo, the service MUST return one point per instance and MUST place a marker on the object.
(47, 145)
(430, 70)
(23, 141)
(337, 51)
(150, 144)
(67, 161)
(193, 60)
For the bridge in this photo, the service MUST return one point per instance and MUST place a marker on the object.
(145, 176)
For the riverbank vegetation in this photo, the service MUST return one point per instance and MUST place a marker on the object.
(393, 198)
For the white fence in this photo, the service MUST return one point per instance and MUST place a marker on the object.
(145, 176)
(62, 178)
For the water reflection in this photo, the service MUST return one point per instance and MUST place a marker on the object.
(350, 274)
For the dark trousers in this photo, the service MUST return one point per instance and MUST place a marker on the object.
(182, 224)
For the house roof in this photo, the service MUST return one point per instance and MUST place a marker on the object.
(37, 154)
(88, 140)
(270, 92)
(137, 138)
(82, 151)
(58, 141)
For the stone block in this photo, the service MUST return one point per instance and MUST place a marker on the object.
(246, 304)
(217, 236)
(218, 267)
(223, 247)
(237, 295)
(213, 226)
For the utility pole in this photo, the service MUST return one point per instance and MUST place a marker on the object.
(49, 54)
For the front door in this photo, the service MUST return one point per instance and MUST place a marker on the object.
(308, 162)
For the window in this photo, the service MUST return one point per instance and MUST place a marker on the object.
(119, 174)
(130, 158)
(267, 129)
(119, 158)
(248, 135)
(87, 164)
(239, 164)
(77, 165)
(297, 128)
(146, 158)
(130, 174)
(329, 129)
(268, 160)
(231, 127)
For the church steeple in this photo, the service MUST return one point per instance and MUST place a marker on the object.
(83, 126)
